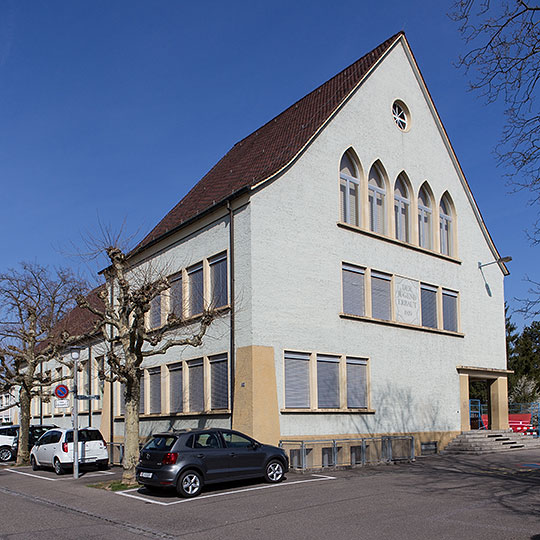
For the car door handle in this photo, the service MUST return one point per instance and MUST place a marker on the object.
(200, 456)
(232, 454)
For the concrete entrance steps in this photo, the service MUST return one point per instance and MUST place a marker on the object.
(485, 442)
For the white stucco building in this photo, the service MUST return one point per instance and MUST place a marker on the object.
(343, 243)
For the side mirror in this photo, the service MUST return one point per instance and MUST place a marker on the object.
(256, 445)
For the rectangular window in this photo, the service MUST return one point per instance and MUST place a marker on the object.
(428, 298)
(218, 280)
(296, 380)
(449, 310)
(328, 381)
(195, 282)
(356, 383)
(155, 390)
(219, 380)
(84, 386)
(142, 408)
(175, 297)
(381, 296)
(196, 385)
(155, 312)
(353, 290)
(176, 388)
(100, 371)
(122, 399)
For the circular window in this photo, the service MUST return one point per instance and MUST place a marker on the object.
(401, 115)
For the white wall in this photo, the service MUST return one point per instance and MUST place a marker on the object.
(298, 250)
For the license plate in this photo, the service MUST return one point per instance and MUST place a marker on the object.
(146, 475)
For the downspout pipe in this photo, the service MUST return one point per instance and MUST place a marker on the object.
(231, 301)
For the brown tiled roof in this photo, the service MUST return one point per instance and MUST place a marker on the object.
(270, 148)
(80, 321)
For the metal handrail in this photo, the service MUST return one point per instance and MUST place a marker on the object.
(387, 452)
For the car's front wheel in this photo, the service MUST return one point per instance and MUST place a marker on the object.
(274, 471)
(33, 462)
(5, 453)
(58, 468)
(189, 484)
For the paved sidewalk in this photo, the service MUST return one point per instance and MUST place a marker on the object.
(490, 497)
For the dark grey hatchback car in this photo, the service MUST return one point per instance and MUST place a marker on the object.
(189, 459)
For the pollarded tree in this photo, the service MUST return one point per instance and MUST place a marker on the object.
(33, 302)
(124, 328)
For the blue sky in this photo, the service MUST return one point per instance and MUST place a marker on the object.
(111, 111)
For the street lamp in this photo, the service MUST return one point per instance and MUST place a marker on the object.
(75, 354)
(499, 260)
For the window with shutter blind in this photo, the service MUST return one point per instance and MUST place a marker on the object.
(353, 290)
(297, 395)
(155, 390)
(122, 399)
(381, 296)
(449, 310)
(219, 381)
(155, 312)
(332, 373)
(218, 280)
(142, 409)
(176, 388)
(196, 289)
(328, 381)
(175, 297)
(196, 385)
(428, 299)
(356, 383)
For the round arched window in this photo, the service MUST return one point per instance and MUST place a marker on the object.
(401, 115)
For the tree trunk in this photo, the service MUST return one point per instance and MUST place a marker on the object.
(131, 430)
(23, 454)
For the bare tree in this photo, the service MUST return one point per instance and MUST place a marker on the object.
(33, 302)
(127, 299)
(504, 58)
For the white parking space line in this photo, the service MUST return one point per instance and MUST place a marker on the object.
(100, 473)
(34, 475)
(128, 493)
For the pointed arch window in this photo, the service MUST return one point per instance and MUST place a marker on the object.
(349, 188)
(376, 196)
(402, 205)
(424, 219)
(445, 226)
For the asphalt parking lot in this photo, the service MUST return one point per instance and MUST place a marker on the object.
(480, 497)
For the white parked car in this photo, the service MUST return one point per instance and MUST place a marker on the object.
(55, 449)
(8, 436)
(9, 439)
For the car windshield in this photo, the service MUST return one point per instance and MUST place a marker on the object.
(160, 442)
(85, 435)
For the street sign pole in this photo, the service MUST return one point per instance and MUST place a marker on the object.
(75, 416)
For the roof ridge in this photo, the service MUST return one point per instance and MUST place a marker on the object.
(270, 147)
(295, 104)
